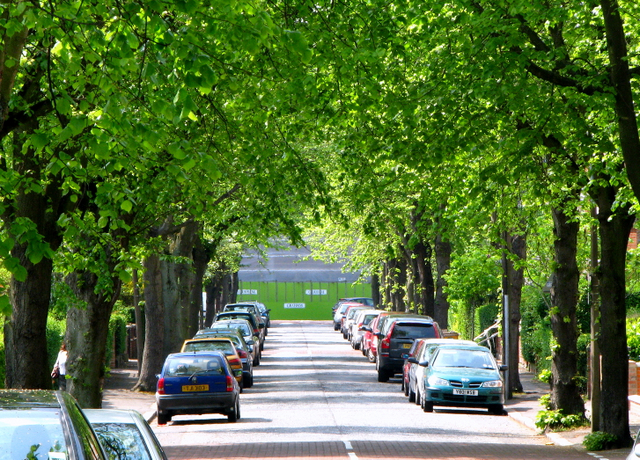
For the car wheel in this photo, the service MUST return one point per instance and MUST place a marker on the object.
(427, 406)
(356, 345)
(234, 412)
(417, 401)
(412, 395)
(371, 356)
(497, 409)
(335, 327)
(163, 418)
(247, 381)
(383, 376)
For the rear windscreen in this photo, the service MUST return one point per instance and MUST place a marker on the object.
(413, 331)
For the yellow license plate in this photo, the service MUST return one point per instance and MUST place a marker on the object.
(406, 345)
(186, 388)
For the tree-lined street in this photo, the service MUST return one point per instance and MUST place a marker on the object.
(314, 396)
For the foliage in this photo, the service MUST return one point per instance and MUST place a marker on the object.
(599, 440)
(633, 338)
(536, 333)
(555, 420)
(486, 316)
(545, 376)
(117, 339)
(55, 336)
(2, 360)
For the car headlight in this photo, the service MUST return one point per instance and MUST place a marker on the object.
(493, 384)
(437, 382)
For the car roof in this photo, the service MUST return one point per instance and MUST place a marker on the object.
(111, 415)
(462, 347)
(202, 354)
(28, 398)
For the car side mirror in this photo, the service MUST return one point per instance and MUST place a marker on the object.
(378, 334)
(503, 368)
(365, 328)
(423, 363)
(412, 360)
(636, 450)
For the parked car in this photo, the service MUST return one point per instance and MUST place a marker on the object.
(349, 318)
(262, 308)
(245, 329)
(223, 344)
(242, 348)
(363, 318)
(417, 364)
(415, 350)
(370, 334)
(368, 301)
(463, 376)
(396, 337)
(256, 325)
(45, 424)
(338, 314)
(197, 383)
(125, 434)
(251, 306)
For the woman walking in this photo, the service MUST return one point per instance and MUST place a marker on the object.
(60, 368)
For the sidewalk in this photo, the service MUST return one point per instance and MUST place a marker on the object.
(522, 407)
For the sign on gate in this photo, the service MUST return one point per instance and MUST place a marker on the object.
(294, 305)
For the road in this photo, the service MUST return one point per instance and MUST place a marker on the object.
(316, 397)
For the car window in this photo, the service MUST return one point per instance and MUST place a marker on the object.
(181, 367)
(122, 441)
(413, 331)
(464, 358)
(32, 434)
(209, 345)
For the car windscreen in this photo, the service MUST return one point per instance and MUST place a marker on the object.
(413, 331)
(181, 367)
(367, 319)
(210, 345)
(463, 358)
(32, 433)
(122, 441)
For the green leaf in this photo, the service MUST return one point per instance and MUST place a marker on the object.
(125, 276)
(5, 305)
(126, 206)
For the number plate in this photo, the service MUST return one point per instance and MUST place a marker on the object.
(457, 391)
(186, 388)
(406, 345)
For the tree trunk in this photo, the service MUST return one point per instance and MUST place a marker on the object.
(200, 260)
(565, 394)
(443, 263)
(177, 284)
(423, 253)
(518, 245)
(154, 325)
(214, 291)
(375, 290)
(87, 336)
(25, 333)
(614, 236)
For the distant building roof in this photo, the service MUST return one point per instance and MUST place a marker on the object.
(291, 265)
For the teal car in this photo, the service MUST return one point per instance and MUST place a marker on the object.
(463, 376)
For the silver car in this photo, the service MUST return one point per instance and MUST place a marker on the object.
(125, 434)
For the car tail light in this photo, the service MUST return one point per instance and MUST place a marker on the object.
(161, 386)
(384, 343)
(241, 353)
(235, 362)
(256, 332)
(230, 383)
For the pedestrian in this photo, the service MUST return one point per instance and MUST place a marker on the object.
(59, 372)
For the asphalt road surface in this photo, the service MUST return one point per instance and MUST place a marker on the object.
(315, 397)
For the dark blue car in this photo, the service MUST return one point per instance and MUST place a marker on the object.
(197, 383)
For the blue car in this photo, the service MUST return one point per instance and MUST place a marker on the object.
(463, 376)
(197, 383)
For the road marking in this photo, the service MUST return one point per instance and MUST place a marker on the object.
(347, 445)
(353, 456)
(596, 456)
